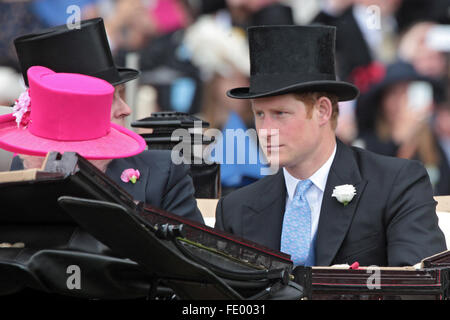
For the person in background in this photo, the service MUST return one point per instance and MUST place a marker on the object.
(16, 18)
(246, 13)
(10, 86)
(86, 51)
(221, 54)
(128, 23)
(369, 28)
(365, 26)
(441, 127)
(395, 119)
(40, 124)
(329, 203)
(165, 62)
(425, 45)
(56, 12)
(10, 89)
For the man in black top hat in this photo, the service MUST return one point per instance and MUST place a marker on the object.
(86, 51)
(329, 203)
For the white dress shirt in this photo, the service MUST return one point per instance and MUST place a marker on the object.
(314, 195)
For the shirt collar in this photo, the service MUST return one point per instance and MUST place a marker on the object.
(319, 178)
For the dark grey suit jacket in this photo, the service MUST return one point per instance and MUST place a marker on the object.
(162, 184)
(391, 221)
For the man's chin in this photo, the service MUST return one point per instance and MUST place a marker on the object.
(121, 122)
(274, 159)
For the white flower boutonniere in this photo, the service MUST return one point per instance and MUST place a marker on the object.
(344, 193)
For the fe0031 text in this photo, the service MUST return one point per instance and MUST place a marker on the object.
(242, 309)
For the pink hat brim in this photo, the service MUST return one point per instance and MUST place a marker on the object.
(118, 143)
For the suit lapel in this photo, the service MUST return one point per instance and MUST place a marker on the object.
(262, 220)
(138, 189)
(335, 218)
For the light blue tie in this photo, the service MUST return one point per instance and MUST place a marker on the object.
(296, 232)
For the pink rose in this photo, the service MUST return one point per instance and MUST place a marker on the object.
(25, 119)
(22, 109)
(130, 175)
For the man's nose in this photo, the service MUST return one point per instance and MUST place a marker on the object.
(267, 132)
(123, 110)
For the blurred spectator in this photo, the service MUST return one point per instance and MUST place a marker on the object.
(246, 13)
(5, 156)
(441, 11)
(166, 66)
(166, 62)
(346, 129)
(10, 86)
(169, 15)
(412, 11)
(200, 7)
(367, 27)
(129, 23)
(330, 9)
(366, 38)
(442, 126)
(304, 11)
(221, 54)
(147, 27)
(16, 18)
(394, 119)
(54, 12)
(424, 45)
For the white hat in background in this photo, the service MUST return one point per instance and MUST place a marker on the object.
(216, 47)
(11, 86)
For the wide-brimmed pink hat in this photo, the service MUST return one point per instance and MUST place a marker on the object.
(67, 112)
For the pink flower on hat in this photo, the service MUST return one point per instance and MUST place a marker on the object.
(22, 109)
(130, 175)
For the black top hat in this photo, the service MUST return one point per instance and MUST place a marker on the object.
(291, 58)
(84, 50)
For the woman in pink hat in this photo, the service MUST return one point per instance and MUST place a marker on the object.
(86, 51)
(72, 112)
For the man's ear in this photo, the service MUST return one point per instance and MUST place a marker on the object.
(324, 110)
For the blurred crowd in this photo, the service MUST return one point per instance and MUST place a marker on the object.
(190, 52)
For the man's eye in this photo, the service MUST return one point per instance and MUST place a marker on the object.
(259, 114)
(119, 90)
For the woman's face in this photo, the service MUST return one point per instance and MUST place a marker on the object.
(430, 62)
(416, 48)
(223, 84)
(393, 100)
(443, 121)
